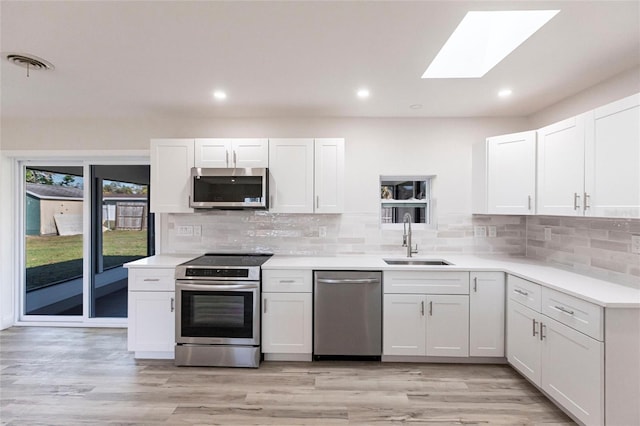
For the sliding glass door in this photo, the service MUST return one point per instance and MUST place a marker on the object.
(81, 224)
(54, 204)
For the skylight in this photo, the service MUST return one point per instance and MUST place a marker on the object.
(483, 39)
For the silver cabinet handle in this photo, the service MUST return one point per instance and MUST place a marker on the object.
(535, 323)
(542, 326)
(235, 158)
(422, 308)
(226, 156)
(475, 284)
(271, 201)
(151, 279)
(317, 201)
(565, 310)
(576, 201)
(265, 306)
(287, 281)
(173, 304)
(517, 290)
(431, 308)
(587, 199)
(529, 202)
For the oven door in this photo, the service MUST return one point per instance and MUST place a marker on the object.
(225, 313)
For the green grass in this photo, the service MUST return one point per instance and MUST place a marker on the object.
(51, 249)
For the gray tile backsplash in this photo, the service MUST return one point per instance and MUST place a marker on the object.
(595, 247)
(300, 234)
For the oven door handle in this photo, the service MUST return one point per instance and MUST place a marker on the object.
(214, 287)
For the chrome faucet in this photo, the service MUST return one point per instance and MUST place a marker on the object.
(406, 236)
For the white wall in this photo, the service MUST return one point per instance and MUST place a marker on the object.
(620, 86)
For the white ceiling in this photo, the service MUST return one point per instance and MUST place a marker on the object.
(132, 58)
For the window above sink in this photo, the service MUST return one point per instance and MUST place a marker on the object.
(405, 194)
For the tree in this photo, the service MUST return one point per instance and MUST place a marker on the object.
(38, 176)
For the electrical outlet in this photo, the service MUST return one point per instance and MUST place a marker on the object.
(197, 230)
(492, 231)
(547, 234)
(185, 231)
(480, 231)
(635, 244)
(322, 231)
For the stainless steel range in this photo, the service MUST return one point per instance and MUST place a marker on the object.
(217, 310)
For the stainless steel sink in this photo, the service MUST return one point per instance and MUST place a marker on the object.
(422, 262)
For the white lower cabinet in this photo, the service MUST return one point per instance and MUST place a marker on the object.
(447, 325)
(151, 323)
(573, 371)
(403, 325)
(426, 325)
(486, 314)
(287, 315)
(151, 304)
(286, 323)
(565, 363)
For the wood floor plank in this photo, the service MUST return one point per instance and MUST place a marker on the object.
(82, 376)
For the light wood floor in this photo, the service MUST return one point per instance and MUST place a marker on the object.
(68, 376)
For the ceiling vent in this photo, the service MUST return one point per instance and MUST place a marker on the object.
(30, 62)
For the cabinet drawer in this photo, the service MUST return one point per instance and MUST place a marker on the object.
(287, 281)
(524, 292)
(151, 279)
(425, 282)
(576, 313)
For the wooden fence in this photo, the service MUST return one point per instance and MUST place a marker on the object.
(131, 216)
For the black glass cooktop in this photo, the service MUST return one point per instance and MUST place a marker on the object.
(230, 259)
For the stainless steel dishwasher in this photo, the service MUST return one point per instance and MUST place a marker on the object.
(347, 313)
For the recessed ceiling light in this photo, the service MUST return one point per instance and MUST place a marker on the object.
(505, 93)
(363, 93)
(219, 94)
(415, 106)
(483, 39)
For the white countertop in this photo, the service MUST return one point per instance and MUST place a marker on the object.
(161, 261)
(600, 292)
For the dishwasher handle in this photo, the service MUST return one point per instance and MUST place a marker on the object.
(348, 281)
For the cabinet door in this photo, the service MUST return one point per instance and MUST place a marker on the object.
(447, 325)
(511, 173)
(486, 314)
(523, 340)
(561, 168)
(171, 163)
(291, 175)
(403, 325)
(573, 371)
(287, 323)
(612, 175)
(249, 153)
(213, 153)
(151, 321)
(329, 175)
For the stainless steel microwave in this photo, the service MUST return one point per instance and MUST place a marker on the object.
(239, 188)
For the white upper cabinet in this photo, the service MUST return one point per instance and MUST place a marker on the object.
(612, 160)
(329, 175)
(561, 167)
(511, 173)
(231, 153)
(171, 163)
(306, 175)
(291, 175)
